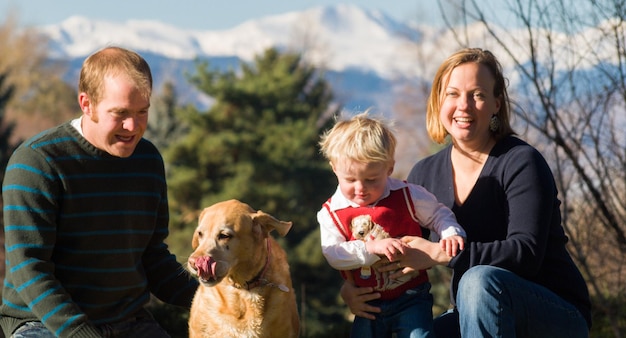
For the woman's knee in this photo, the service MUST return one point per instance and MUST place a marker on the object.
(479, 276)
(481, 284)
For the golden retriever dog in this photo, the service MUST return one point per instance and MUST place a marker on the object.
(245, 284)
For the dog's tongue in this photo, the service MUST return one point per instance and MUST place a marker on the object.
(206, 267)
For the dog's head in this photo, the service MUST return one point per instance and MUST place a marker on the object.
(229, 241)
(361, 226)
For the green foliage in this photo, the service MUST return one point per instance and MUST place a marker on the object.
(164, 126)
(6, 128)
(258, 144)
(6, 148)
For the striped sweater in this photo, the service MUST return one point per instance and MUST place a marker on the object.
(84, 235)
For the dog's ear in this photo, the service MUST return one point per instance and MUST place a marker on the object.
(269, 223)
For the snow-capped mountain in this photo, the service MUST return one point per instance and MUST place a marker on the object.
(369, 59)
(366, 54)
(341, 37)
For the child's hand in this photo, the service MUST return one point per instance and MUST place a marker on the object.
(452, 245)
(388, 247)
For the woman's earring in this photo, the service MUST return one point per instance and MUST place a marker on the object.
(494, 123)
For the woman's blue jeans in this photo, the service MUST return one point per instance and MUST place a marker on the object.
(408, 316)
(494, 302)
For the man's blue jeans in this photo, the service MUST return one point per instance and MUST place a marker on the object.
(494, 302)
(408, 316)
(144, 327)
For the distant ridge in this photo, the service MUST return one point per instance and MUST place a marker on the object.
(368, 57)
(339, 37)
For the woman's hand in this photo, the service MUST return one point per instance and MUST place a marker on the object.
(391, 248)
(356, 298)
(421, 254)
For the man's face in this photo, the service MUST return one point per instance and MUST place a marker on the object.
(119, 120)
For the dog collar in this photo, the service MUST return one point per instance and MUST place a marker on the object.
(259, 280)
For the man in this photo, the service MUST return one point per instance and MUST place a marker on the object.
(86, 215)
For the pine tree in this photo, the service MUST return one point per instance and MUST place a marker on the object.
(164, 126)
(6, 127)
(6, 149)
(258, 144)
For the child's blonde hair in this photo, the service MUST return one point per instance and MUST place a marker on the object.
(361, 138)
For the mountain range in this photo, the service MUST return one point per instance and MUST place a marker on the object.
(367, 56)
(369, 59)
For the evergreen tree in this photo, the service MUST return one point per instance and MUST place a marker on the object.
(6, 127)
(163, 124)
(258, 144)
(6, 149)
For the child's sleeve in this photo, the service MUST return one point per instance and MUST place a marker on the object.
(433, 215)
(340, 253)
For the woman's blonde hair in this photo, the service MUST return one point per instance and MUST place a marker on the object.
(435, 128)
(113, 61)
(361, 138)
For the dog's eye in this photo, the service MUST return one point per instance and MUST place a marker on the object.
(200, 234)
(222, 236)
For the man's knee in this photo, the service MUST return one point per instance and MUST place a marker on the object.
(32, 330)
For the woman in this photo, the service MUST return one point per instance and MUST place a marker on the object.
(514, 277)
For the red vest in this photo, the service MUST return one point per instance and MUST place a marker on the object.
(396, 215)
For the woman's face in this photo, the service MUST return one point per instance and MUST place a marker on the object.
(468, 104)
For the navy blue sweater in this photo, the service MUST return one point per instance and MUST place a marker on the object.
(84, 235)
(512, 219)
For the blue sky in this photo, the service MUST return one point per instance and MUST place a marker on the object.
(197, 14)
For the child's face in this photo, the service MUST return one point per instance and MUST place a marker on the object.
(360, 182)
